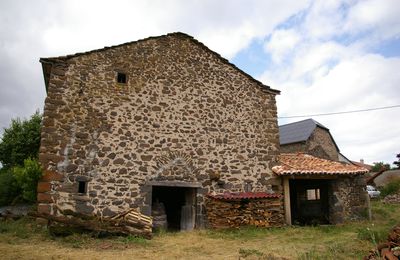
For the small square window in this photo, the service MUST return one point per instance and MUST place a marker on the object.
(121, 78)
(313, 194)
(82, 186)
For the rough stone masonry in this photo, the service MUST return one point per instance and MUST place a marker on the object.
(163, 109)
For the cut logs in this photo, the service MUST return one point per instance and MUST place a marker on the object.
(389, 249)
(259, 212)
(129, 222)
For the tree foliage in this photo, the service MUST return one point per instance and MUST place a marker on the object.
(397, 163)
(19, 148)
(20, 141)
(27, 178)
(380, 166)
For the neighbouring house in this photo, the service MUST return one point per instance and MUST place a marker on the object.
(161, 125)
(320, 191)
(308, 136)
(361, 163)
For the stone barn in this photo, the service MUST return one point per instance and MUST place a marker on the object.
(308, 136)
(160, 125)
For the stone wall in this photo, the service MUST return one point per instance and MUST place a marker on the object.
(348, 199)
(184, 115)
(319, 144)
(294, 148)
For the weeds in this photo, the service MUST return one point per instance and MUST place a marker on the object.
(248, 252)
(134, 240)
(22, 228)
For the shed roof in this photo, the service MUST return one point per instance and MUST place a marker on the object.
(305, 164)
(243, 195)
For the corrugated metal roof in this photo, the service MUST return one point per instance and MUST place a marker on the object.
(298, 131)
(243, 195)
(305, 164)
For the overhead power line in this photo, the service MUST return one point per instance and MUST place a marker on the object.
(341, 112)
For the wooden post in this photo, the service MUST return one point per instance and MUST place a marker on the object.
(286, 191)
(369, 207)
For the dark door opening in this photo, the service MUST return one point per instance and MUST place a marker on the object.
(309, 201)
(175, 206)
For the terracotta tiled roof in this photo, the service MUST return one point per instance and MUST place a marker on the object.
(243, 195)
(304, 164)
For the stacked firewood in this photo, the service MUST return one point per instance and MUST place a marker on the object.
(255, 212)
(159, 216)
(134, 221)
(390, 249)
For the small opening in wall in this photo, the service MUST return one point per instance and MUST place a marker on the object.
(121, 78)
(313, 194)
(82, 186)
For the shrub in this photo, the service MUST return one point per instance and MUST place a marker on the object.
(390, 188)
(8, 187)
(27, 178)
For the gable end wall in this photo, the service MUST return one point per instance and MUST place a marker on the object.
(183, 116)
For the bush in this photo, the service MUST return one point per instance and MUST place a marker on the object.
(390, 188)
(8, 187)
(27, 178)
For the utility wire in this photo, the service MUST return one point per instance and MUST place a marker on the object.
(342, 112)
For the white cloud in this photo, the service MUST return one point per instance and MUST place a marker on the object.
(379, 16)
(281, 44)
(314, 67)
(333, 69)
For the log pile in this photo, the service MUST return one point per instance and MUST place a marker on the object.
(392, 199)
(159, 216)
(134, 221)
(388, 250)
(265, 212)
(129, 222)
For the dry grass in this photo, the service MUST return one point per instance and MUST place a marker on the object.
(24, 240)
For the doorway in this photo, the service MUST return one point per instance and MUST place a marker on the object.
(309, 201)
(173, 207)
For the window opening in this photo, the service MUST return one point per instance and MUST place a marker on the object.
(313, 194)
(121, 78)
(81, 186)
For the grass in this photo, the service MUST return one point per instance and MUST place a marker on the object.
(23, 239)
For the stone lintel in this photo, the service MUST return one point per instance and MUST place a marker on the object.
(175, 184)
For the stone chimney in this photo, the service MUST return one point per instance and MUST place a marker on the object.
(362, 161)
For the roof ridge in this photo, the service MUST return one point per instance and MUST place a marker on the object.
(178, 34)
(297, 122)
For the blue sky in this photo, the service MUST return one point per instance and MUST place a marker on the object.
(324, 55)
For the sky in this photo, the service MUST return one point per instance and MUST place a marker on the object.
(324, 56)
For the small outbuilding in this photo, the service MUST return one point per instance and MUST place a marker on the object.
(321, 191)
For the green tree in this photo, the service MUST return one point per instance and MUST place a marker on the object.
(27, 178)
(397, 163)
(20, 141)
(20, 172)
(380, 166)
